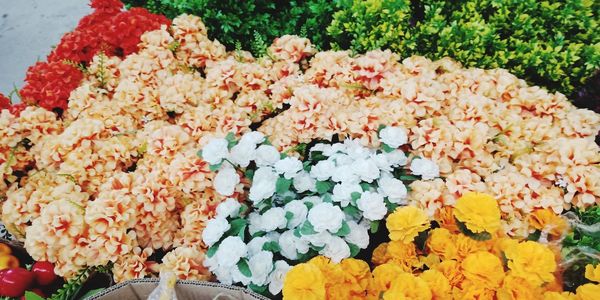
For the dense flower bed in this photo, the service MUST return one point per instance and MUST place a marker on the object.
(539, 41)
(169, 151)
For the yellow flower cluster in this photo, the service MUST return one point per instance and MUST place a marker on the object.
(450, 265)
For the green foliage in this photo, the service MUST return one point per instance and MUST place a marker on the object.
(586, 231)
(550, 43)
(253, 23)
(72, 287)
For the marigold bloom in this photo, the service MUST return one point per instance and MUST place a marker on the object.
(406, 223)
(304, 282)
(479, 212)
(532, 261)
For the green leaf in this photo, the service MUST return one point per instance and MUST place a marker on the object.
(33, 296)
(534, 236)
(199, 153)
(237, 227)
(374, 226)
(271, 246)
(289, 216)
(365, 186)
(249, 173)
(259, 234)
(307, 228)
(344, 230)
(481, 236)
(353, 249)
(244, 268)
(214, 168)
(308, 204)
(352, 211)
(282, 185)
(408, 178)
(212, 250)
(230, 140)
(243, 209)
(387, 148)
(327, 198)
(323, 186)
(355, 196)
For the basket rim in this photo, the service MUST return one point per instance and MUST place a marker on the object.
(181, 282)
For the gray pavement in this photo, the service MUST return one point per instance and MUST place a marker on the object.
(28, 31)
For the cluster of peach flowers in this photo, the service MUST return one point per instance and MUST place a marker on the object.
(442, 263)
(116, 178)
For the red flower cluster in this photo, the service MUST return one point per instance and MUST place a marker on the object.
(15, 109)
(49, 84)
(4, 102)
(107, 29)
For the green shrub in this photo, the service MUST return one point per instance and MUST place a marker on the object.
(550, 43)
(251, 23)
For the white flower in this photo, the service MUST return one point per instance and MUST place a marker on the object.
(261, 266)
(273, 236)
(381, 161)
(326, 216)
(214, 230)
(256, 244)
(263, 184)
(276, 278)
(226, 180)
(291, 245)
(366, 169)
(322, 170)
(242, 153)
(319, 240)
(228, 208)
(223, 275)
(299, 212)
(396, 158)
(336, 249)
(359, 234)
(341, 158)
(425, 168)
(266, 155)
(254, 222)
(393, 136)
(288, 166)
(355, 150)
(342, 192)
(215, 151)
(321, 147)
(231, 249)
(237, 276)
(314, 200)
(334, 149)
(303, 182)
(392, 188)
(272, 219)
(344, 173)
(252, 137)
(372, 205)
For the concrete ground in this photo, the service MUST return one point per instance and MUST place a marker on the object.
(28, 31)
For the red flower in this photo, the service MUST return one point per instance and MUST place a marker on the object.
(126, 28)
(49, 84)
(17, 108)
(4, 102)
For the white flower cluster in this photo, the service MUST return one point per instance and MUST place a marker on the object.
(325, 205)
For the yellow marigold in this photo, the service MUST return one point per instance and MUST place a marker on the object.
(547, 220)
(383, 276)
(483, 267)
(559, 296)
(516, 288)
(592, 273)
(380, 254)
(406, 222)
(407, 286)
(473, 291)
(438, 283)
(430, 260)
(451, 270)
(445, 217)
(333, 273)
(588, 291)
(466, 245)
(404, 255)
(479, 212)
(304, 282)
(358, 275)
(442, 243)
(532, 261)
